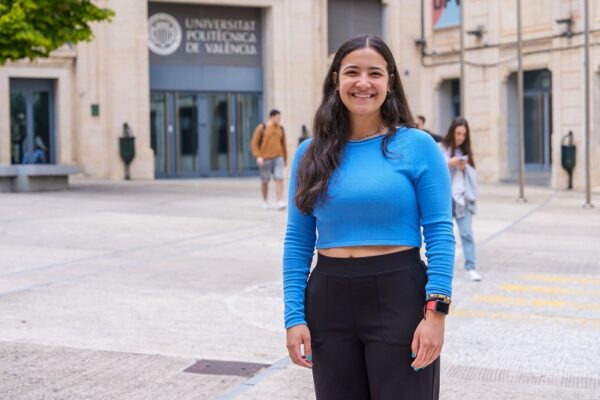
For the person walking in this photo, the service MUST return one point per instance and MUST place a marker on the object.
(370, 318)
(456, 147)
(270, 150)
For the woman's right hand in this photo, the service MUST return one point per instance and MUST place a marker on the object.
(456, 162)
(296, 336)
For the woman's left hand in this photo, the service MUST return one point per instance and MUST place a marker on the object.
(428, 339)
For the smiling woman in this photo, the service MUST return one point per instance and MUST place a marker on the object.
(368, 182)
(363, 86)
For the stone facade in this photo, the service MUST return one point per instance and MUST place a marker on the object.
(113, 72)
(491, 60)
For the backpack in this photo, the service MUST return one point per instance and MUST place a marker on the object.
(262, 133)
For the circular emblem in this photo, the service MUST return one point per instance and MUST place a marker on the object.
(164, 34)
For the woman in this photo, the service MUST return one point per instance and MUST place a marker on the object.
(456, 147)
(366, 182)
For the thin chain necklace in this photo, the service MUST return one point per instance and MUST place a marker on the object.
(369, 135)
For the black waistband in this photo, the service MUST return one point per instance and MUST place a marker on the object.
(368, 265)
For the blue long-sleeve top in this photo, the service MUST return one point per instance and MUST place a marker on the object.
(374, 200)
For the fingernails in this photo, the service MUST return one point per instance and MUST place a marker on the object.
(413, 355)
(309, 357)
(417, 369)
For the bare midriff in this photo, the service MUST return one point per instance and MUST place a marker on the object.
(361, 251)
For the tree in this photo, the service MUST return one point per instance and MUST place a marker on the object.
(34, 28)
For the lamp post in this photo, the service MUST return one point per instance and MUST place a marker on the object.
(521, 140)
(462, 59)
(588, 194)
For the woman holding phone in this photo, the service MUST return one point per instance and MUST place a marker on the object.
(370, 319)
(456, 147)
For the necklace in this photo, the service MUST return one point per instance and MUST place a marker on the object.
(368, 135)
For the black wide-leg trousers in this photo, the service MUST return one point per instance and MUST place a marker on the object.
(362, 314)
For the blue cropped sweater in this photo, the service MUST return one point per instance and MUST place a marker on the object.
(374, 200)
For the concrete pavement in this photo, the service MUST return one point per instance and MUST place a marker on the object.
(111, 290)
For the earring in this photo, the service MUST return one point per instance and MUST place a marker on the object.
(389, 92)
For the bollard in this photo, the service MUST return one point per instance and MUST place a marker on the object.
(567, 156)
(304, 135)
(127, 148)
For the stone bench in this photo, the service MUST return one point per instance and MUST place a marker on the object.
(35, 177)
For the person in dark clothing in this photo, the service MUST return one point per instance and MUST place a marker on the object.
(421, 125)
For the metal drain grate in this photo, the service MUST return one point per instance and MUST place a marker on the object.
(217, 367)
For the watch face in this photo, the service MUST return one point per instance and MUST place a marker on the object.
(442, 307)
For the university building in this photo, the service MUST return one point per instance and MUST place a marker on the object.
(192, 79)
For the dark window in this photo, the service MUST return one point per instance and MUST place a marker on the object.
(349, 18)
(456, 97)
(537, 80)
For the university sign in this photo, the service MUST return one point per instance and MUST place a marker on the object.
(221, 36)
(204, 35)
(164, 34)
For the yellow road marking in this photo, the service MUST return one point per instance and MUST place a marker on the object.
(460, 312)
(525, 301)
(548, 290)
(561, 279)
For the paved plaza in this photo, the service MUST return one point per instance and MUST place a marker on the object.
(110, 290)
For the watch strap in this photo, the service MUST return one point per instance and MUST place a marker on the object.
(437, 306)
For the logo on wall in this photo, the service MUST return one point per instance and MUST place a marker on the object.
(446, 13)
(164, 34)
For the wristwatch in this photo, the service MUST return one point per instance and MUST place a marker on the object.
(438, 303)
(437, 306)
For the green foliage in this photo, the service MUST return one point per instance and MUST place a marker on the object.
(34, 28)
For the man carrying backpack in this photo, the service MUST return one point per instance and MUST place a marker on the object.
(269, 148)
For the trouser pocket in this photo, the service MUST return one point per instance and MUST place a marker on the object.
(315, 307)
(401, 298)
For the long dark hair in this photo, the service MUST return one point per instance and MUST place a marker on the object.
(449, 140)
(331, 126)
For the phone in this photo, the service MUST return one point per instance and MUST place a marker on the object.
(464, 158)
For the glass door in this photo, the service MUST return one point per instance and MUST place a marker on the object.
(538, 120)
(32, 121)
(248, 117)
(203, 134)
(187, 135)
(534, 132)
(18, 126)
(537, 130)
(218, 134)
(158, 132)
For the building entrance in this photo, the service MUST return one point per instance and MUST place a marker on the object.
(205, 88)
(203, 134)
(537, 123)
(538, 119)
(32, 121)
(449, 104)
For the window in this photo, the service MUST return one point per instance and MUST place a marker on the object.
(349, 18)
